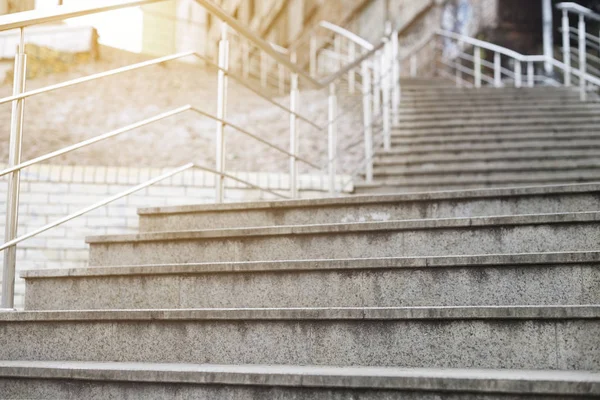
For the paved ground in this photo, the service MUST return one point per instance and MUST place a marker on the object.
(66, 116)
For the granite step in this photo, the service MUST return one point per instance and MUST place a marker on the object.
(393, 158)
(391, 187)
(509, 146)
(156, 381)
(467, 169)
(520, 122)
(468, 102)
(471, 203)
(524, 337)
(554, 114)
(453, 110)
(403, 238)
(403, 139)
(511, 279)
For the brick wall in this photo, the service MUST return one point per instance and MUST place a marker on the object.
(49, 192)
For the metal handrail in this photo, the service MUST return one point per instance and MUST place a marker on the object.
(145, 122)
(365, 44)
(128, 192)
(99, 75)
(578, 9)
(37, 17)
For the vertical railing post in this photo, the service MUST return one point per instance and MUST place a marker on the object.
(518, 73)
(566, 42)
(377, 83)
(396, 94)
(332, 137)
(413, 65)
(582, 57)
(221, 112)
(14, 179)
(352, 72)
(386, 72)
(313, 55)
(477, 66)
(294, 94)
(497, 70)
(263, 69)
(530, 74)
(457, 73)
(367, 120)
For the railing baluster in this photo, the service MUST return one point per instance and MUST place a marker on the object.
(386, 92)
(566, 42)
(221, 113)
(367, 120)
(582, 57)
(293, 132)
(477, 66)
(530, 74)
(14, 158)
(332, 137)
(396, 94)
(497, 70)
(377, 83)
(518, 73)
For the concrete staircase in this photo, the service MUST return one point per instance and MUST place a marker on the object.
(457, 138)
(490, 293)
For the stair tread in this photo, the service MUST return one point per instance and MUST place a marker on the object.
(352, 227)
(521, 259)
(455, 379)
(525, 312)
(380, 198)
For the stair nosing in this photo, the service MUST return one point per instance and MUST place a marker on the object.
(538, 190)
(353, 227)
(425, 379)
(324, 265)
(467, 313)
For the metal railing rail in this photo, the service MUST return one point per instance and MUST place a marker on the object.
(582, 37)
(376, 101)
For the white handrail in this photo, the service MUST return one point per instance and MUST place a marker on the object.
(578, 9)
(365, 44)
(59, 13)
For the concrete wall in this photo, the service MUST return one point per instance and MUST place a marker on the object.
(49, 192)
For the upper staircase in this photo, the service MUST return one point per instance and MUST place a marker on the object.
(459, 138)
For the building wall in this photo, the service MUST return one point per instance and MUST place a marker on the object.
(49, 192)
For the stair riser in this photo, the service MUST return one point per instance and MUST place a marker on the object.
(472, 207)
(472, 343)
(486, 175)
(522, 123)
(465, 103)
(410, 242)
(452, 131)
(245, 390)
(399, 140)
(445, 148)
(516, 114)
(397, 188)
(460, 286)
(490, 177)
(393, 159)
(457, 111)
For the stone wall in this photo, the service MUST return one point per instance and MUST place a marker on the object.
(49, 192)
